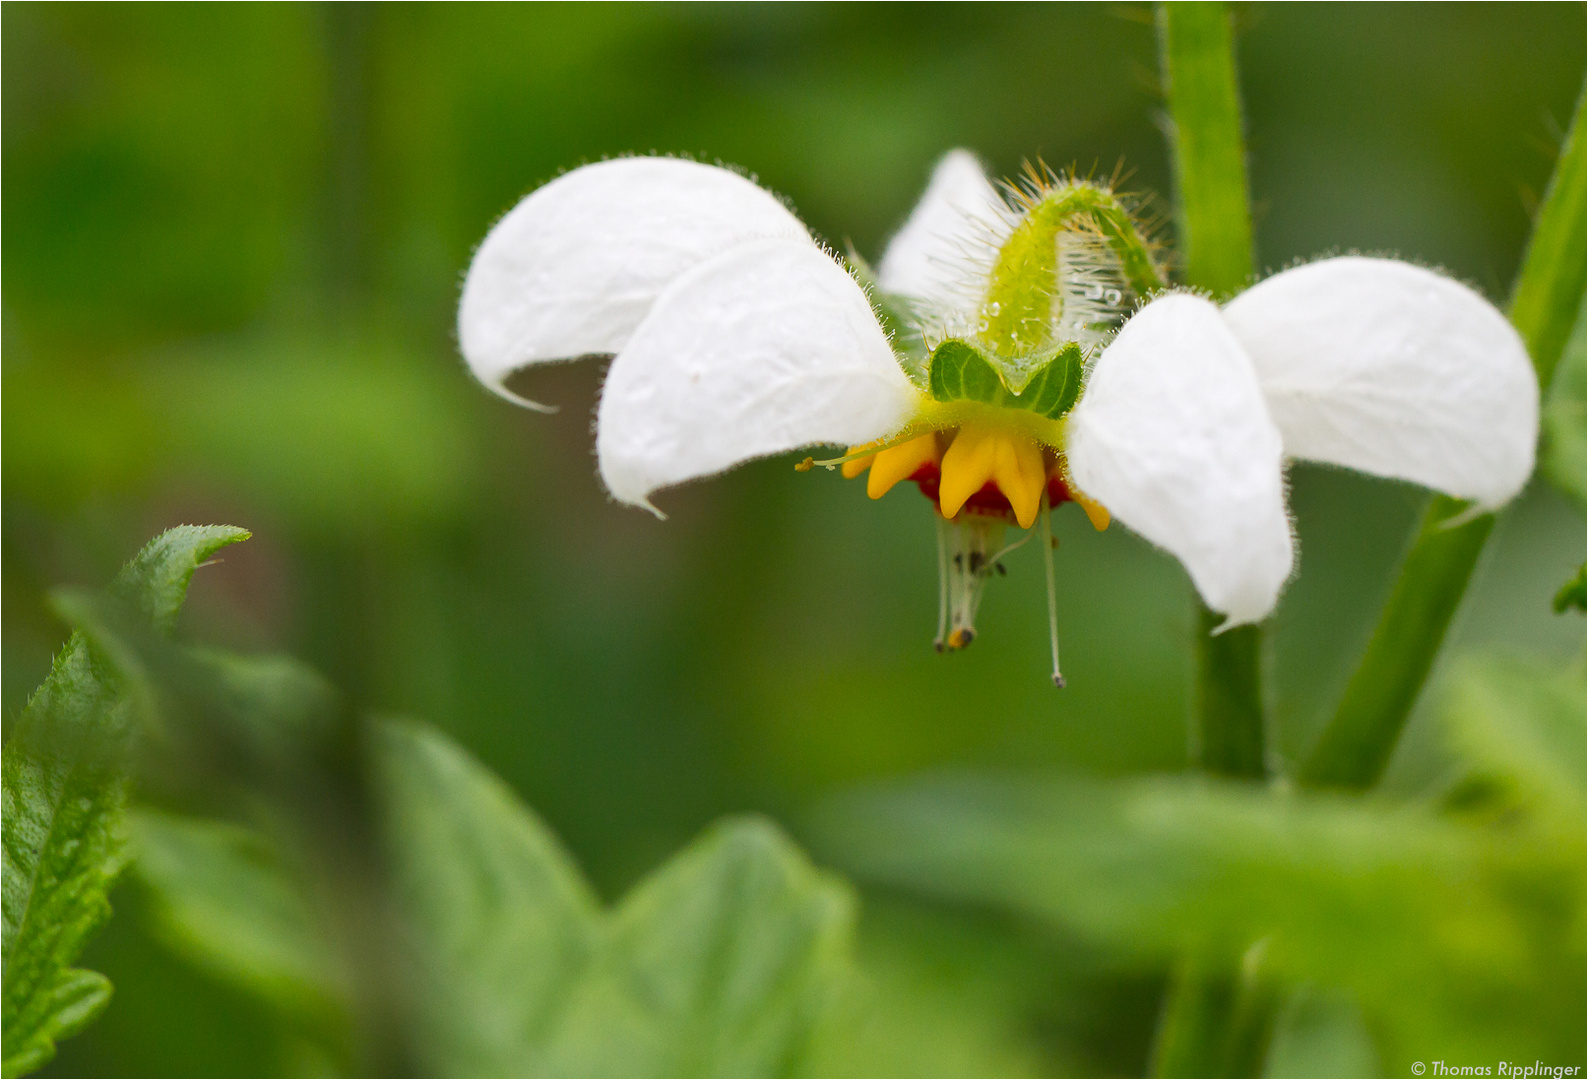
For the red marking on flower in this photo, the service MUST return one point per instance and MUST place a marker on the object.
(989, 500)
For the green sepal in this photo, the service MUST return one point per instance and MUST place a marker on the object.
(959, 372)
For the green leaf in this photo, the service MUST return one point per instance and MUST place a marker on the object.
(959, 372)
(1520, 726)
(1549, 288)
(1449, 934)
(719, 964)
(504, 923)
(64, 781)
(221, 896)
(1566, 418)
(722, 963)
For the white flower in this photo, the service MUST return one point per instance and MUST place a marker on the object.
(736, 336)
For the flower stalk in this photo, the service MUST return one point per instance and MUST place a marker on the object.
(1201, 1021)
(1356, 746)
(1215, 233)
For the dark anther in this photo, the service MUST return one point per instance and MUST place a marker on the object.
(1058, 681)
(959, 562)
(977, 561)
(938, 644)
(1003, 571)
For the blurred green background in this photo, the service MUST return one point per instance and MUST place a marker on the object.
(234, 237)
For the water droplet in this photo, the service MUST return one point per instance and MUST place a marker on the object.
(1094, 292)
(1113, 296)
(993, 308)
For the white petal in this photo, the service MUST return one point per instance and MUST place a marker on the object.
(1171, 435)
(764, 349)
(573, 268)
(1395, 370)
(938, 258)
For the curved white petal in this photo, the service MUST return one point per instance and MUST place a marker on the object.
(955, 228)
(573, 268)
(763, 349)
(1395, 370)
(1171, 435)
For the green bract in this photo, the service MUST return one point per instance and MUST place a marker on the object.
(1025, 307)
(959, 372)
(1068, 271)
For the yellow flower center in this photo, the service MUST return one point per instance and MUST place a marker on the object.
(974, 464)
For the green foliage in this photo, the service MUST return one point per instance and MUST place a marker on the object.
(721, 963)
(64, 772)
(959, 372)
(222, 896)
(1356, 746)
(1549, 288)
(1565, 419)
(1573, 594)
(1459, 932)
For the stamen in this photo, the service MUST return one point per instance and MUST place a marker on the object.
(943, 529)
(858, 452)
(975, 536)
(1007, 548)
(1053, 603)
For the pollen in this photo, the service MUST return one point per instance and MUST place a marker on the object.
(980, 455)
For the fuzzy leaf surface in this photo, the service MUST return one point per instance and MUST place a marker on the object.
(63, 781)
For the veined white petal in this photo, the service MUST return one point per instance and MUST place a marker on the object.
(1395, 370)
(956, 227)
(763, 349)
(1171, 435)
(573, 268)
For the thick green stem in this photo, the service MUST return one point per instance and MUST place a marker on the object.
(1212, 1025)
(1212, 207)
(1357, 743)
(1229, 701)
(1198, 52)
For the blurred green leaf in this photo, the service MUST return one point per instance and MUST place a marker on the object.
(64, 773)
(1565, 417)
(504, 923)
(721, 963)
(1521, 726)
(222, 897)
(1449, 934)
(1321, 1034)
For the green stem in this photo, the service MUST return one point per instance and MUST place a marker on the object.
(1216, 1022)
(1229, 701)
(1213, 209)
(1211, 1025)
(1357, 744)
(1215, 223)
